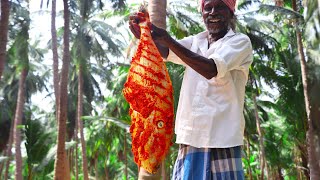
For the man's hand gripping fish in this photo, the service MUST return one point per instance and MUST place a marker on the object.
(149, 92)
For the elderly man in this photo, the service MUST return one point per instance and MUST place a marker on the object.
(209, 123)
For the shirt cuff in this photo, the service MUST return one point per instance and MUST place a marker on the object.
(220, 64)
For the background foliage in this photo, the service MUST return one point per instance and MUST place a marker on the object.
(101, 43)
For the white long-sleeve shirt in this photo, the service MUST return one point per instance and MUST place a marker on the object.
(210, 112)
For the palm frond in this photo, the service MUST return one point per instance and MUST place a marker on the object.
(184, 19)
(122, 124)
(280, 11)
(245, 5)
(51, 156)
(106, 33)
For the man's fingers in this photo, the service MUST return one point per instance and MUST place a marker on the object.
(135, 31)
(134, 19)
(137, 18)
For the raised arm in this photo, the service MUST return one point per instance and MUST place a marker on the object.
(204, 66)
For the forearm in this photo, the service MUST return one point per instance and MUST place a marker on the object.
(204, 66)
(164, 50)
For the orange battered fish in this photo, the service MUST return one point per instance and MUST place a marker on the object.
(148, 90)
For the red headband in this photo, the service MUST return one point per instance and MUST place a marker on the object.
(230, 3)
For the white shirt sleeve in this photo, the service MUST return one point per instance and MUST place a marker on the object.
(187, 43)
(233, 54)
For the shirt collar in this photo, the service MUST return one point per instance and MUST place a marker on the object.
(229, 33)
(203, 41)
(203, 35)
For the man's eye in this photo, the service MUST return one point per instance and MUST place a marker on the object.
(208, 8)
(220, 7)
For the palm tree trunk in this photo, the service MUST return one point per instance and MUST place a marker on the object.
(23, 55)
(157, 11)
(279, 3)
(8, 150)
(163, 170)
(280, 176)
(106, 171)
(5, 150)
(304, 159)
(55, 56)
(18, 121)
(106, 174)
(4, 21)
(30, 172)
(1, 166)
(125, 155)
(70, 156)
(96, 165)
(61, 163)
(76, 151)
(312, 156)
(80, 124)
(313, 160)
(262, 151)
(248, 155)
(297, 162)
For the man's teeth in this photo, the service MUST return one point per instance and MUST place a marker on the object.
(214, 20)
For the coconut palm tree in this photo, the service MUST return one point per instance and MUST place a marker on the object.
(21, 54)
(10, 86)
(312, 113)
(312, 50)
(55, 56)
(290, 67)
(87, 46)
(37, 143)
(18, 121)
(28, 83)
(4, 22)
(61, 163)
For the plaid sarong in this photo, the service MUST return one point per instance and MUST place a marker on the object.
(208, 164)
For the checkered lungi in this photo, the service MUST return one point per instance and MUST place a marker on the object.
(208, 164)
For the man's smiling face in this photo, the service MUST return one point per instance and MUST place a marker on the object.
(216, 16)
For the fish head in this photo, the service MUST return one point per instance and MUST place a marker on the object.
(151, 139)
